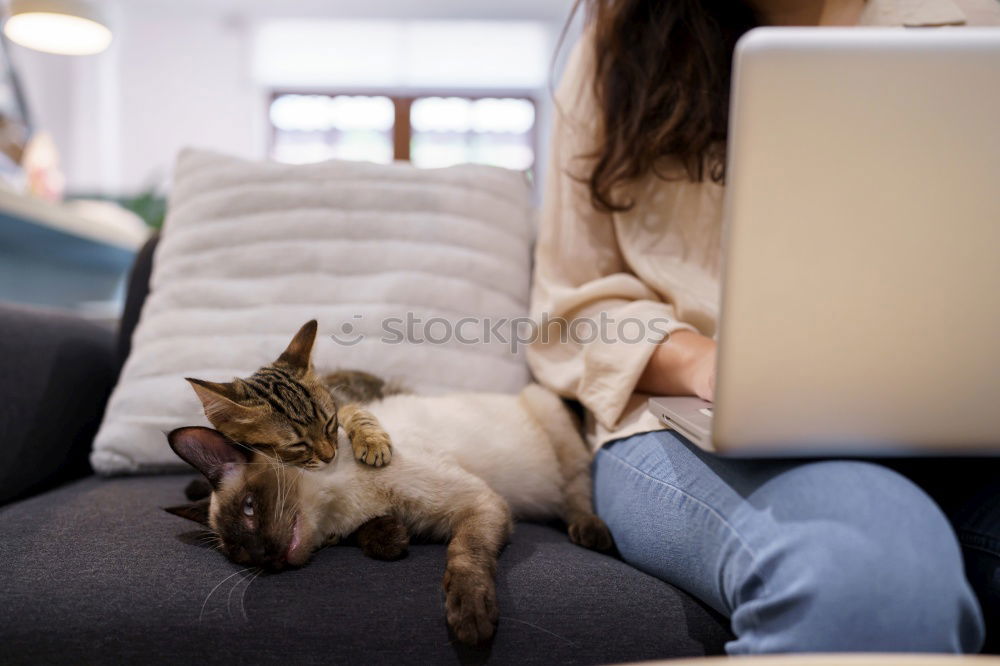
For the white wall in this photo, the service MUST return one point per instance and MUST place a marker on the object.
(185, 82)
(179, 74)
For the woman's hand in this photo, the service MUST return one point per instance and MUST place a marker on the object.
(683, 364)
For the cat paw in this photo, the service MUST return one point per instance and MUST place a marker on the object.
(590, 531)
(471, 606)
(372, 448)
(384, 538)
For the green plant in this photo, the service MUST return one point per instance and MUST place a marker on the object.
(149, 204)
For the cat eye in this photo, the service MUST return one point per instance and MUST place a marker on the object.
(301, 446)
(248, 506)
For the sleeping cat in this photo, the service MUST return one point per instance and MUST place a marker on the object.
(462, 467)
(288, 411)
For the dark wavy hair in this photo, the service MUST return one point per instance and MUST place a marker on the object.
(661, 79)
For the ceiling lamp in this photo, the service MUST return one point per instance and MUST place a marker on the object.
(66, 27)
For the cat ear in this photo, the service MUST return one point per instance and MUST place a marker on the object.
(208, 451)
(197, 490)
(196, 511)
(219, 401)
(298, 354)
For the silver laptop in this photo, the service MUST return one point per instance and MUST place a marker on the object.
(860, 309)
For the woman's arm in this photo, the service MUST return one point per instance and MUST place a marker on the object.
(683, 364)
(581, 279)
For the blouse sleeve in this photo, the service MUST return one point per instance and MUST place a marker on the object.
(580, 273)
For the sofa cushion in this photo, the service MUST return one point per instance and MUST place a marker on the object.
(57, 372)
(388, 258)
(97, 572)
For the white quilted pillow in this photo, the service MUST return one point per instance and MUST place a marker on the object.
(251, 251)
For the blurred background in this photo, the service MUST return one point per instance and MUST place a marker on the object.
(97, 99)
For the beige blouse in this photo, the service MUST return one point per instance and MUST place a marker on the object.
(637, 276)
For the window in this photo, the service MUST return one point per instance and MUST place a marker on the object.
(430, 130)
(432, 92)
(490, 130)
(312, 128)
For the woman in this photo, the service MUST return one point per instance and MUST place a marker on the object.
(814, 556)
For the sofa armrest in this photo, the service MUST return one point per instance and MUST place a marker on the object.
(57, 373)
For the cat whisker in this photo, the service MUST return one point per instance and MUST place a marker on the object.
(229, 598)
(268, 459)
(281, 497)
(210, 540)
(204, 603)
(250, 449)
(243, 597)
(288, 491)
(295, 503)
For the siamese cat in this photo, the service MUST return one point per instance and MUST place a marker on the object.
(463, 466)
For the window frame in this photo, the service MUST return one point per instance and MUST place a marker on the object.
(402, 100)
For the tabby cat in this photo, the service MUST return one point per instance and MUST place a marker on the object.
(286, 410)
(463, 466)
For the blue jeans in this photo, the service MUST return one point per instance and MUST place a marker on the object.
(801, 556)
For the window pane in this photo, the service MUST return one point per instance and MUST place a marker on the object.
(510, 151)
(453, 130)
(312, 128)
(516, 116)
(441, 114)
(430, 150)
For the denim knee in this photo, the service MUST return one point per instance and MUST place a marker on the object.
(880, 570)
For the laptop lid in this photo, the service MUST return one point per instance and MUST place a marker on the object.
(861, 284)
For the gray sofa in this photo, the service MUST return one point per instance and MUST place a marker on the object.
(93, 570)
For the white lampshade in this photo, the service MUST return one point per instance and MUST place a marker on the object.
(67, 27)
